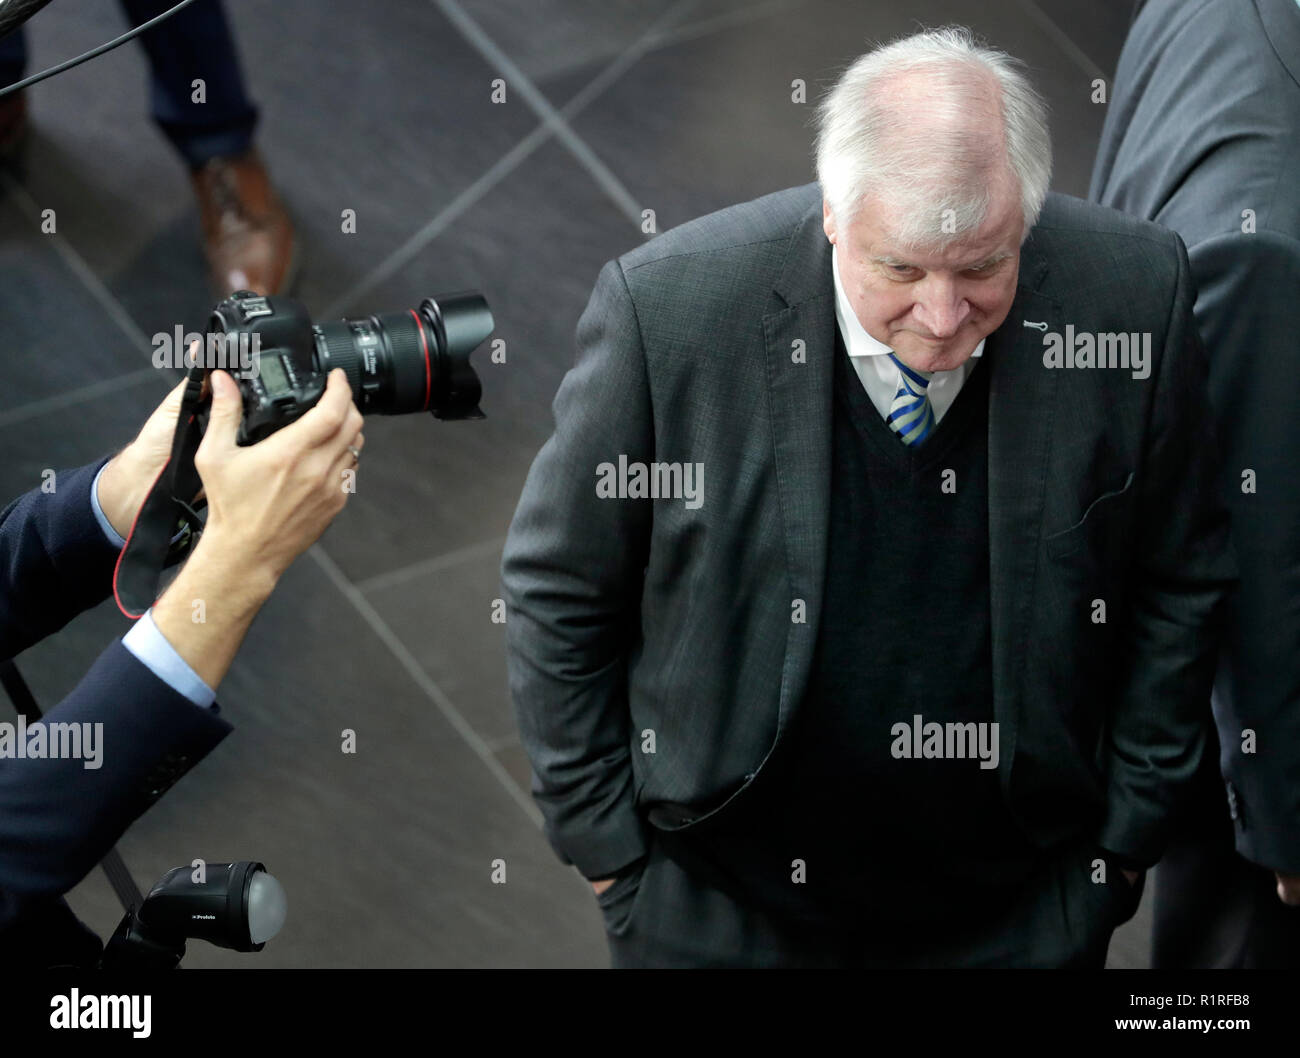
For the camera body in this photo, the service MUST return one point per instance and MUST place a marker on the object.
(395, 363)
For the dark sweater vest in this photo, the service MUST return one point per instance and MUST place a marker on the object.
(888, 843)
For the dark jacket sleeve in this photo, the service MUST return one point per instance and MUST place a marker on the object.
(58, 817)
(55, 561)
(572, 573)
(1245, 311)
(1194, 154)
(1183, 573)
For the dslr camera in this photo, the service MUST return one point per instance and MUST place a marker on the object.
(395, 362)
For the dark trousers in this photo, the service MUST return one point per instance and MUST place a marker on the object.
(1214, 909)
(664, 915)
(194, 44)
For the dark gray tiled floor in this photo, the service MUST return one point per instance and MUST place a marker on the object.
(385, 109)
(427, 128)
(1096, 29)
(457, 483)
(387, 854)
(674, 101)
(549, 38)
(444, 617)
(56, 335)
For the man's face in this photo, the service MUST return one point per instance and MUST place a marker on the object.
(931, 307)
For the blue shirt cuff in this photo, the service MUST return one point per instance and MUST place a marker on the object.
(100, 516)
(160, 657)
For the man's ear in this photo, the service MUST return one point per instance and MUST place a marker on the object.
(828, 221)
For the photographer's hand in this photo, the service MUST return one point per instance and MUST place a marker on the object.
(267, 503)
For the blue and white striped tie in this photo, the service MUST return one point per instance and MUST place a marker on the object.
(910, 415)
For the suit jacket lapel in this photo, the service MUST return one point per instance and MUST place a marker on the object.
(1021, 394)
(799, 398)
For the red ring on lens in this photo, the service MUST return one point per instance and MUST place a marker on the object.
(424, 343)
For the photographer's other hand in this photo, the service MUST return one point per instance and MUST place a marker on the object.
(267, 503)
(129, 475)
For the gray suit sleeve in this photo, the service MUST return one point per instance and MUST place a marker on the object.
(1183, 569)
(572, 572)
(1246, 312)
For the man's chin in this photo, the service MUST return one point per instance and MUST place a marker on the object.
(921, 355)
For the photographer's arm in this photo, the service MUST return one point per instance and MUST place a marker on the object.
(268, 503)
(55, 560)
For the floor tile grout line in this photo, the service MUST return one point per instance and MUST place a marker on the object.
(426, 683)
(520, 82)
(730, 20)
(463, 201)
(496, 745)
(436, 564)
(94, 286)
(71, 398)
(655, 39)
(494, 174)
(631, 55)
(1063, 40)
(107, 301)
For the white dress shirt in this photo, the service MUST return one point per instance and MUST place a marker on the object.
(880, 376)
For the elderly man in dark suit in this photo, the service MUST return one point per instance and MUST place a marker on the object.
(1214, 157)
(914, 673)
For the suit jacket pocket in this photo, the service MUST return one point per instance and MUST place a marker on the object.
(1093, 909)
(1067, 541)
(618, 900)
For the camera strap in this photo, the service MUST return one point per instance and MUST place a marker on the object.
(166, 526)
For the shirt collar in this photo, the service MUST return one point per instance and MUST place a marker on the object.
(856, 339)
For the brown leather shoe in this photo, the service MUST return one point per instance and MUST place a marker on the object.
(247, 235)
(13, 125)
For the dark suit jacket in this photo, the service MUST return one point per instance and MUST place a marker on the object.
(58, 818)
(630, 616)
(1204, 123)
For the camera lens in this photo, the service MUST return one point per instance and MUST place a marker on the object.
(417, 360)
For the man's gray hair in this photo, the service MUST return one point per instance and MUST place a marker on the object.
(930, 155)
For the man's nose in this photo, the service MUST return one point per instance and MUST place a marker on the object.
(941, 308)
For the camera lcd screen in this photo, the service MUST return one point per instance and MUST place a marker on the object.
(272, 374)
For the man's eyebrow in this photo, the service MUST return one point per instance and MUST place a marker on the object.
(990, 261)
(890, 261)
